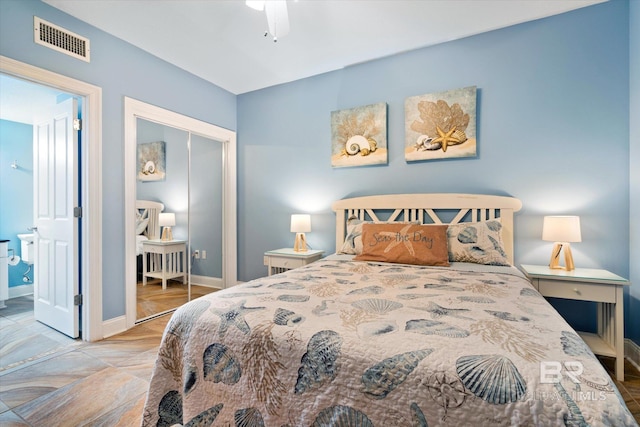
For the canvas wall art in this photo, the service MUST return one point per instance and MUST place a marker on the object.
(359, 136)
(151, 161)
(441, 125)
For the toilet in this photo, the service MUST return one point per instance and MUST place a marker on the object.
(26, 247)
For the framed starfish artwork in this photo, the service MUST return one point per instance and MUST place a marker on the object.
(440, 125)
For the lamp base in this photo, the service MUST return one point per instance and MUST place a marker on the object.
(300, 244)
(167, 235)
(554, 263)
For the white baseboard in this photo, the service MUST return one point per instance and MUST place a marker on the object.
(114, 326)
(632, 353)
(206, 281)
(20, 291)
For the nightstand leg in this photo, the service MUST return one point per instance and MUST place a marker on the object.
(144, 269)
(619, 335)
(184, 268)
(164, 272)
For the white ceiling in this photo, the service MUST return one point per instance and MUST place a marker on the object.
(222, 40)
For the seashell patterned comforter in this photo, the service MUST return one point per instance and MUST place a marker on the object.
(344, 343)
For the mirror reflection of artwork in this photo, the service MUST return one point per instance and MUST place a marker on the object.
(440, 125)
(359, 136)
(151, 161)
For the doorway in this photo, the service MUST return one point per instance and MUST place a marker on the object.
(193, 150)
(91, 185)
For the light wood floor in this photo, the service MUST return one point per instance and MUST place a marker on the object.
(152, 299)
(49, 380)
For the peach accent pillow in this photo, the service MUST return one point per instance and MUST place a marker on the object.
(405, 244)
(353, 241)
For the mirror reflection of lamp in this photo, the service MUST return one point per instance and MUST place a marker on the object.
(562, 230)
(300, 224)
(167, 220)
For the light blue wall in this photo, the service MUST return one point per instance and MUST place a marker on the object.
(633, 304)
(205, 205)
(16, 191)
(553, 130)
(121, 70)
(172, 192)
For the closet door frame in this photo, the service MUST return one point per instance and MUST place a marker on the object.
(133, 110)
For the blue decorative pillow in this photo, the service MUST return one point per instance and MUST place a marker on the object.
(477, 242)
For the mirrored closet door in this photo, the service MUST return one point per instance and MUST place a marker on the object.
(179, 245)
(180, 181)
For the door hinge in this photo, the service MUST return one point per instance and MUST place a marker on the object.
(77, 299)
(77, 212)
(77, 124)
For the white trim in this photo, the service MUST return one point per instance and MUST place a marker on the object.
(91, 258)
(20, 291)
(134, 109)
(114, 326)
(207, 281)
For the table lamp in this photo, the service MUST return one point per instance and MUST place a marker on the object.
(562, 230)
(300, 224)
(167, 220)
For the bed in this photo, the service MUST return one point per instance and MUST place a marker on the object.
(350, 341)
(147, 227)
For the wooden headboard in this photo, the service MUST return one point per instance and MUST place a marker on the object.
(151, 210)
(429, 209)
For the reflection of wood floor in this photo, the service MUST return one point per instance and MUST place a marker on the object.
(153, 300)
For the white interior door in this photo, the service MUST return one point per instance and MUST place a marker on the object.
(55, 180)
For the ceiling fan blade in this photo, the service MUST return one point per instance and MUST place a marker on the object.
(277, 18)
(255, 4)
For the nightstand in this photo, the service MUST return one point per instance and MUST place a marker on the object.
(281, 260)
(167, 260)
(586, 284)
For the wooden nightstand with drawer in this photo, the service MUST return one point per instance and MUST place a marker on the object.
(281, 260)
(586, 284)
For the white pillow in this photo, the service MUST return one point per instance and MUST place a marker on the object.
(141, 224)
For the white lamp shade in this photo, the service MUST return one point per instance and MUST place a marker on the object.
(561, 229)
(167, 219)
(300, 223)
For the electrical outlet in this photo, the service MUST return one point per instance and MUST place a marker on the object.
(204, 254)
(196, 254)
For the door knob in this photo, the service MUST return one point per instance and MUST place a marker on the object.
(32, 228)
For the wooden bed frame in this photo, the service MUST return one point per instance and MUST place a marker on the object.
(436, 206)
(151, 210)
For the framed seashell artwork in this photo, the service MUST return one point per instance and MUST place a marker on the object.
(359, 136)
(151, 161)
(440, 125)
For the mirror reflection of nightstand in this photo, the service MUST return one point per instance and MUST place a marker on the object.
(281, 260)
(167, 260)
(587, 284)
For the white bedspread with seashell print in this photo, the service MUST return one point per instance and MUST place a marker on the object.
(343, 343)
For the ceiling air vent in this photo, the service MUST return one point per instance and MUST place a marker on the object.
(57, 38)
